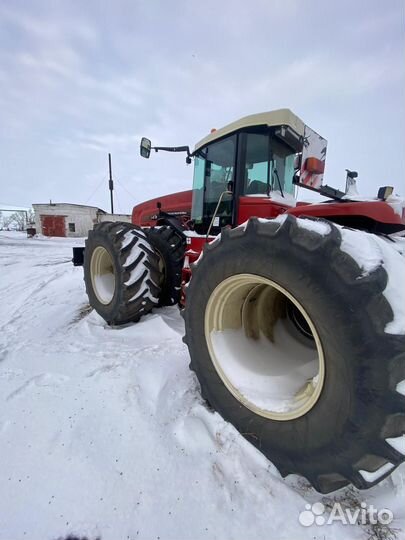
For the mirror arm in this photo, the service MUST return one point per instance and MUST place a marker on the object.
(172, 149)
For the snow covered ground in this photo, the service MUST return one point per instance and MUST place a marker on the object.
(103, 432)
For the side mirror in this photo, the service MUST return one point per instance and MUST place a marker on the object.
(145, 147)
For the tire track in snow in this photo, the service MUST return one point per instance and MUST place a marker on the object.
(22, 308)
(44, 380)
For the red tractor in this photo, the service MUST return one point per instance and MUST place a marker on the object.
(294, 312)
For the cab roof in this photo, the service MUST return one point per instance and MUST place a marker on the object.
(279, 117)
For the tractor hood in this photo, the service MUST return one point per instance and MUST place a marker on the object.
(177, 204)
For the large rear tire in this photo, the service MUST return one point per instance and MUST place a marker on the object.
(170, 246)
(121, 272)
(286, 335)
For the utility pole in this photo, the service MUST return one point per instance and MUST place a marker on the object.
(111, 184)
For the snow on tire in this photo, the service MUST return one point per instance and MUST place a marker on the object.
(121, 272)
(299, 347)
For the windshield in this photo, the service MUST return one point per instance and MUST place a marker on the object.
(213, 170)
(269, 166)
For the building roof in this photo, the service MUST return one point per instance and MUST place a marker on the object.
(279, 117)
(8, 208)
(70, 204)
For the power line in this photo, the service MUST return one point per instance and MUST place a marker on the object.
(95, 191)
(118, 202)
(127, 190)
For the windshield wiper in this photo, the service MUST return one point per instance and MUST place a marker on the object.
(279, 183)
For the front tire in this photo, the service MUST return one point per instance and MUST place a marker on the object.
(286, 335)
(121, 272)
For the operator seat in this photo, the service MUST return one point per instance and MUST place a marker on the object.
(256, 187)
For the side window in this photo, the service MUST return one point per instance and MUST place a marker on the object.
(283, 170)
(198, 189)
(289, 174)
(257, 164)
(220, 168)
(72, 227)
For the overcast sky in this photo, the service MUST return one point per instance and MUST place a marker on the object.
(79, 79)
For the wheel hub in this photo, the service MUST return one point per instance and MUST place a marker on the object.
(264, 347)
(102, 275)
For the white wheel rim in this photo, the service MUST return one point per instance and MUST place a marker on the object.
(264, 347)
(102, 275)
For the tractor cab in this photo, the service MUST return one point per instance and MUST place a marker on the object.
(250, 167)
(255, 157)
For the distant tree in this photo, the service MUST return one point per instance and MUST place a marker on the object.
(18, 220)
(30, 217)
(7, 221)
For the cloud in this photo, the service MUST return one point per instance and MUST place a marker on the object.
(78, 81)
(42, 29)
(109, 141)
